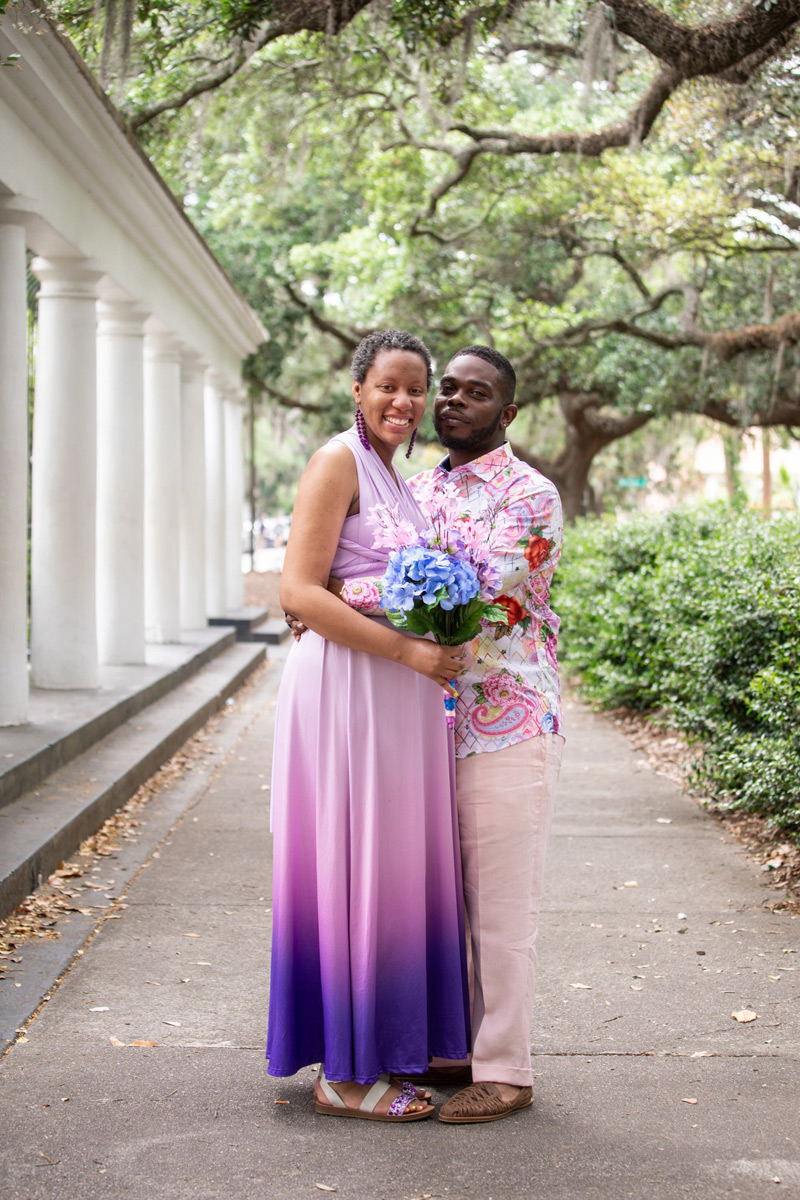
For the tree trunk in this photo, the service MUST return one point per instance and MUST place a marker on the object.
(589, 429)
(766, 467)
(730, 445)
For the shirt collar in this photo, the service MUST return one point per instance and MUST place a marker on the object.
(485, 467)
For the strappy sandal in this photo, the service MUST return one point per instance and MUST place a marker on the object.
(396, 1112)
(399, 1082)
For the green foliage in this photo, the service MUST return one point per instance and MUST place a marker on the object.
(314, 166)
(696, 614)
(452, 628)
(438, 22)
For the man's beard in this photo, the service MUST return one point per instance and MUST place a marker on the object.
(470, 441)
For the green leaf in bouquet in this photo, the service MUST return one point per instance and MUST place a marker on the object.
(419, 620)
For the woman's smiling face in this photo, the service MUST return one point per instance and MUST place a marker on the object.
(392, 398)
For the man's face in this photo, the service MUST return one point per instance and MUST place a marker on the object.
(468, 408)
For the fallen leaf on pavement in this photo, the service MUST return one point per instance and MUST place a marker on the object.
(116, 1042)
(173, 1023)
(280, 1102)
(323, 1187)
(745, 1016)
(138, 1042)
(688, 1100)
(191, 935)
(631, 883)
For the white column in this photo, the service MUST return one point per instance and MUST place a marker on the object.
(120, 480)
(162, 484)
(13, 468)
(234, 497)
(215, 496)
(64, 484)
(193, 495)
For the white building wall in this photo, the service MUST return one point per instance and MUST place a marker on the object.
(122, 496)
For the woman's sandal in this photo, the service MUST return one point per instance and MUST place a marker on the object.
(422, 1093)
(397, 1111)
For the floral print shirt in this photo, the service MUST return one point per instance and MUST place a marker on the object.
(510, 690)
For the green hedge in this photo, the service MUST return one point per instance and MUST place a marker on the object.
(696, 614)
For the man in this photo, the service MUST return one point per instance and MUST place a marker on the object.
(508, 722)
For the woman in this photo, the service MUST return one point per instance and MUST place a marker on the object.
(368, 961)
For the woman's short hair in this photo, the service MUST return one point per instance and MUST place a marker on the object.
(370, 347)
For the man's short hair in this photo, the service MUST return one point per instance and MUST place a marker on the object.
(498, 360)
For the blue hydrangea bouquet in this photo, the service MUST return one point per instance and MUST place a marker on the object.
(437, 580)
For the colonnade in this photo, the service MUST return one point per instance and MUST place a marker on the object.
(136, 475)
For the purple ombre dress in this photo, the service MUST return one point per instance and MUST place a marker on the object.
(368, 960)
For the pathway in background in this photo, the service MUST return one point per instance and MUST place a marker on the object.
(655, 931)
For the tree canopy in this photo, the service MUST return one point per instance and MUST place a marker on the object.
(609, 193)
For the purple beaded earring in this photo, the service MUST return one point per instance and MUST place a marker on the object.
(411, 444)
(361, 427)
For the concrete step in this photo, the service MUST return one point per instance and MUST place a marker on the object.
(47, 824)
(64, 724)
(244, 620)
(274, 631)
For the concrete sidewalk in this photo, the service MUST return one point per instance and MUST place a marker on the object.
(645, 1085)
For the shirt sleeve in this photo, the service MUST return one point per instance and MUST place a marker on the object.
(529, 533)
(363, 594)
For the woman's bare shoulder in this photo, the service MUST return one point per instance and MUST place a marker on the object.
(334, 453)
(333, 466)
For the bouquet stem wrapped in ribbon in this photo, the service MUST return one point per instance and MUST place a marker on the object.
(438, 580)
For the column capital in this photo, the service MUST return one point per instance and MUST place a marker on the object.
(121, 317)
(160, 343)
(17, 210)
(39, 233)
(68, 278)
(193, 365)
(232, 392)
(216, 380)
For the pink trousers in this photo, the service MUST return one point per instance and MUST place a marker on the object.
(505, 808)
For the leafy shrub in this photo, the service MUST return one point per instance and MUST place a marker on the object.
(696, 614)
